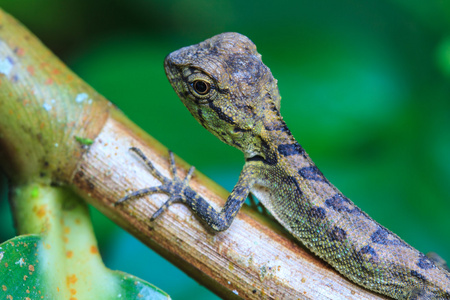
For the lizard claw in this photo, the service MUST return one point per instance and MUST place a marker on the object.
(164, 207)
(173, 187)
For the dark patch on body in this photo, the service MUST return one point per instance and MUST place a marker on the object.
(341, 203)
(425, 263)
(291, 149)
(368, 250)
(382, 236)
(311, 173)
(338, 234)
(417, 275)
(368, 254)
(317, 212)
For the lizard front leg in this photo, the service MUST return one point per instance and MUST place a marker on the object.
(180, 191)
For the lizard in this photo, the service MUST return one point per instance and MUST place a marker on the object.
(225, 85)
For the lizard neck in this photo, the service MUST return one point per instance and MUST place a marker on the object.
(281, 144)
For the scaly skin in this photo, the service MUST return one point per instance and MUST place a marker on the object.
(227, 88)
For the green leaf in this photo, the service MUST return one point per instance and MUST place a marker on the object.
(58, 257)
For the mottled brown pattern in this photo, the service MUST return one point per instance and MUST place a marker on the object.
(227, 88)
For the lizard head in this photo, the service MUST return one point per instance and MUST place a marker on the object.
(226, 87)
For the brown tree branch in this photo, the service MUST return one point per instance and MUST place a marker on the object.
(47, 111)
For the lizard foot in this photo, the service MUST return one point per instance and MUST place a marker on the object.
(173, 187)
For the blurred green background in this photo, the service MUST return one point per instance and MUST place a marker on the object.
(365, 87)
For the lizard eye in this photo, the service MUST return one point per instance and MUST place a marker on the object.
(201, 87)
